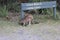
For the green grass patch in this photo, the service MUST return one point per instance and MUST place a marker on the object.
(3, 11)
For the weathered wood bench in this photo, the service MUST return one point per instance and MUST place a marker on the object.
(38, 5)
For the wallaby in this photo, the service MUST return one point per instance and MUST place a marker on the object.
(27, 20)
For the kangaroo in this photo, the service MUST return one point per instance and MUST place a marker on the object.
(27, 20)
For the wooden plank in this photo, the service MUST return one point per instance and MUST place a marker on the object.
(38, 3)
(38, 7)
(29, 6)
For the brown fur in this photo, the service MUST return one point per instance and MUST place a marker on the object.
(28, 19)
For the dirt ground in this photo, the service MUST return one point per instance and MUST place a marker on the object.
(49, 30)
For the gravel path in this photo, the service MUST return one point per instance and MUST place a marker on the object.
(42, 31)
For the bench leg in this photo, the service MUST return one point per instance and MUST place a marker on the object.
(22, 14)
(54, 10)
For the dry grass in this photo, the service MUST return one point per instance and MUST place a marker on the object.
(47, 29)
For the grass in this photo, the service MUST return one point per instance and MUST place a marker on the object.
(41, 18)
(3, 11)
(7, 23)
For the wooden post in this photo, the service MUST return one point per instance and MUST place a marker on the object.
(22, 14)
(54, 10)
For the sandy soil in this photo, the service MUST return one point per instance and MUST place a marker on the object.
(43, 31)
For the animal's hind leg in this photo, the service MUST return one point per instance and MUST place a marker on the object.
(29, 22)
(23, 24)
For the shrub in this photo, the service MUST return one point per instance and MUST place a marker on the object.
(13, 6)
(3, 11)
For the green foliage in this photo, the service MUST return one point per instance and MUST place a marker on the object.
(13, 5)
(3, 11)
